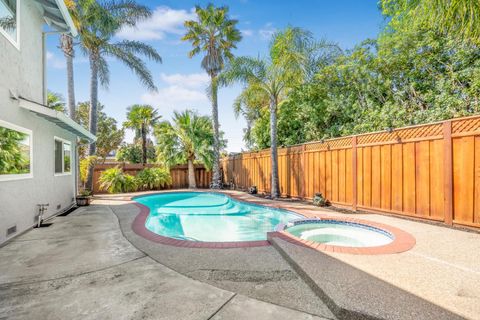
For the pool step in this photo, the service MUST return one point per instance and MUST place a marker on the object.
(351, 293)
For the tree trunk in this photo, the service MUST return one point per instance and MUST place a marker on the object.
(92, 124)
(216, 178)
(275, 190)
(67, 47)
(144, 144)
(191, 175)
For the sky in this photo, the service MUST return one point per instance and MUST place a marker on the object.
(181, 81)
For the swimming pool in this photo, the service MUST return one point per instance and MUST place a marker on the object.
(210, 217)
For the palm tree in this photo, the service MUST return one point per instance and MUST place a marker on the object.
(141, 118)
(189, 139)
(55, 101)
(215, 35)
(98, 24)
(66, 44)
(286, 67)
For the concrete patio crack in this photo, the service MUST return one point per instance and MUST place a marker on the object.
(223, 305)
(17, 283)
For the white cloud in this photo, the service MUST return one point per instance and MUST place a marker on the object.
(174, 97)
(267, 31)
(54, 61)
(247, 32)
(180, 91)
(164, 20)
(193, 80)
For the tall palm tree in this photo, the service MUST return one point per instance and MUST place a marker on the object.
(189, 139)
(215, 35)
(66, 44)
(98, 24)
(286, 67)
(141, 118)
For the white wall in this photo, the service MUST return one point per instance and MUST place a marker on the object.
(21, 72)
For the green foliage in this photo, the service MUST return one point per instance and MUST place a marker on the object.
(114, 180)
(189, 137)
(402, 78)
(55, 101)
(14, 153)
(85, 165)
(213, 34)
(142, 118)
(98, 22)
(109, 136)
(132, 153)
(153, 178)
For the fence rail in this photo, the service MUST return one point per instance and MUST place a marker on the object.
(429, 171)
(179, 174)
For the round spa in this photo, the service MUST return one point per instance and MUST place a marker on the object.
(348, 236)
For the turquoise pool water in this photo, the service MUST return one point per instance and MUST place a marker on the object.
(339, 233)
(210, 217)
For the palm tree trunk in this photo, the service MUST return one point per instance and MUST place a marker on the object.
(216, 183)
(275, 190)
(191, 174)
(67, 47)
(144, 144)
(92, 124)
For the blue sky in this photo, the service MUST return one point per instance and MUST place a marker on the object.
(181, 82)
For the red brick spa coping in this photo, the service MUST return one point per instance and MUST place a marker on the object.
(402, 241)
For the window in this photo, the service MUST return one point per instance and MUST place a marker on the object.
(63, 157)
(9, 20)
(15, 152)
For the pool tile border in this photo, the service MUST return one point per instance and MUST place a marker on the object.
(403, 241)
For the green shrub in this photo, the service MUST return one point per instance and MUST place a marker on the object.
(113, 180)
(153, 178)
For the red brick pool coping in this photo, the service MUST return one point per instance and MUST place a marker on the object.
(403, 241)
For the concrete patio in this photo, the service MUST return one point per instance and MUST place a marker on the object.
(90, 265)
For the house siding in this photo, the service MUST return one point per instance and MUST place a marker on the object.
(21, 72)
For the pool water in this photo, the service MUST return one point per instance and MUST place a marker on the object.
(339, 233)
(210, 217)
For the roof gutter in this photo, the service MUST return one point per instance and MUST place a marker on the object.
(59, 118)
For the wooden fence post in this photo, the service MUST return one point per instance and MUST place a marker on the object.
(448, 172)
(354, 173)
(304, 174)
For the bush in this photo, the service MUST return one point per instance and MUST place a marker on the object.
(153, 178)
(113, 180)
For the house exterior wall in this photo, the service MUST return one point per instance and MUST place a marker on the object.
(21, 72)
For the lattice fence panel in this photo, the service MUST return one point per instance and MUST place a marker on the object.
(466, 125)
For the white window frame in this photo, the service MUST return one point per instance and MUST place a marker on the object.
(14, 42)
(19, 176)
(63, 173)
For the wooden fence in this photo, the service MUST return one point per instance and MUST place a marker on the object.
(179, 174)
(427, 171)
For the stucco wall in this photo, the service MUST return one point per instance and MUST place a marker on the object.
(21, 72)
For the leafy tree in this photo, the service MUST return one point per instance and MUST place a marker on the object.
(109, 136)
(189, 139)
(141, 118)
(132, 153)
(215, 35)
(98, 22)
(13, 157)
(458, 18)
(55, 101)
